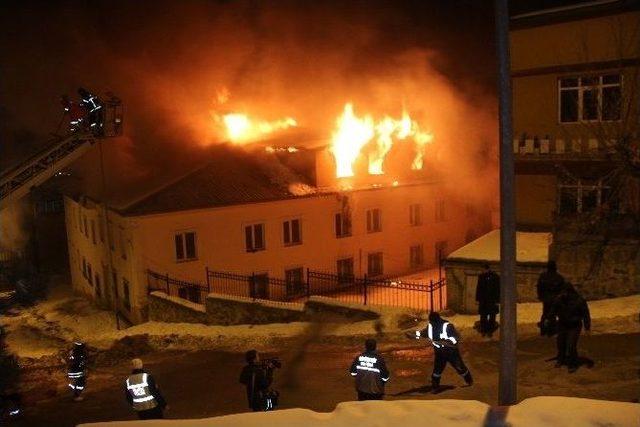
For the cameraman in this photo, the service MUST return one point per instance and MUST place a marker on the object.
(257, 377)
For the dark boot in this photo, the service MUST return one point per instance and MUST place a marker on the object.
(468, 378)
(435, 384)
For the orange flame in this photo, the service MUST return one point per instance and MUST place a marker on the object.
(354, 133)
(241, 129)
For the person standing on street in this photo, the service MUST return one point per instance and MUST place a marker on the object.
(370, 372)
(77, 370)
(550, 284)
(143, 394)
(488, 298)
(445, 340)
(572, 312)
(257, 378)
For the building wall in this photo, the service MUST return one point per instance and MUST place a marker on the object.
(535, 200)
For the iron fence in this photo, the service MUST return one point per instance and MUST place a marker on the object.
(191, 291)
(256, 286)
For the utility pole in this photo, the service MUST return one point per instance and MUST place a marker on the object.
(508, 379)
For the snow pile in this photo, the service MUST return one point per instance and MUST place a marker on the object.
(534, 412)
(530, 247)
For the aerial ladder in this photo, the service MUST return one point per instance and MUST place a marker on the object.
(103, 121)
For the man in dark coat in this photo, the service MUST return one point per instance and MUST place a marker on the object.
(256, 378)
(572, 313)
(550, 284)
(488, 298)
(77, 370)
(445, 339)
(143, 394)
(370, 372)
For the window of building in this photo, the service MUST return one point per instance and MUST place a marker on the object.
(123, 245)
(89, 274)
(126, 296)
(415, 215)
(590, 98)
(440, 212)
(416, 256)
(93, 231)
(584, 196)
(259, 286)
(441, 250)
(374, 264)
(254, 237)
(374, 221)
(295, 281)
(345, 270)
(292, 233)
(343, 225)
(98, 285)
(185, 245)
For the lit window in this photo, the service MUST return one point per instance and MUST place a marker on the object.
(185, 245)
(292, 234)
(254, 237)
(374, 221)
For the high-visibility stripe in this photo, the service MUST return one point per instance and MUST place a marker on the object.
(142, 384)
(430, 331)
(72, 386)
(436, 375)
(367, 359)
(354, 373)
(142, 399)
(418, 333)
(385, 379)
(366, 368)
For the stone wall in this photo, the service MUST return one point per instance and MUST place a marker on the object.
(233, 310)
(462, 279)
(599, 268)
(163, 308)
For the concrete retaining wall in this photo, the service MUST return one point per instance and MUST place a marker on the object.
(232, 310)
(163, 308)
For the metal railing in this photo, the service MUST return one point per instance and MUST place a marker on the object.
(256, 286)
(191, 291)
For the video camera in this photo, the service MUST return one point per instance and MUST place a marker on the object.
(272, 363)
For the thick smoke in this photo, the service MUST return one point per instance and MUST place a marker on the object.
(168, 64)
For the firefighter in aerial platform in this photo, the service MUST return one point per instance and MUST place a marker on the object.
(143, 394)
(75, 111)
(77, 370)
(370, 372)
(95, 111)
(445, 339)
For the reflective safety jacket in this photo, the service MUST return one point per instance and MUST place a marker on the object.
(141, 392)
(77, 364)
(370, 372)
(441, 334)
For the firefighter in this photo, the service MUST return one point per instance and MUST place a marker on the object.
(488, 298)
(143, 394)
(572, 312)
(76, 112)
(95, 110)
(444, 338)
(550, 284)
(77, 370)
(256, 377)
(370, 372)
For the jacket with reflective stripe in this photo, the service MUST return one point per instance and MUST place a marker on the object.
(140, 392)
(441, 335)
(370, 371)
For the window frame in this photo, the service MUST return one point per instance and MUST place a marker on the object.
(415, 220)
(420, 261)
(287, 228)
(371, 220)
(293, 288)
(253, 247)
(381, 264)
(440, 210)
(581, 89)
(183, 240)
(346, 226)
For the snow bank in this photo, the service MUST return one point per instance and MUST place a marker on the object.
(534, 412)
(530, 247)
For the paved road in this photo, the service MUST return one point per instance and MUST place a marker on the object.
(205, 383)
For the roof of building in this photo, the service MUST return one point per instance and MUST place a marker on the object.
(528, 14)
(232, 177)
(530, 247)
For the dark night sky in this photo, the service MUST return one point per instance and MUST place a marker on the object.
(163, 58)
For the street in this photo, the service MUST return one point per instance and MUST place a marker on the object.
(205, 383)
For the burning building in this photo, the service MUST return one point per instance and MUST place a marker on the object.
(273, 212)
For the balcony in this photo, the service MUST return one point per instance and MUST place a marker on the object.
(579, 149)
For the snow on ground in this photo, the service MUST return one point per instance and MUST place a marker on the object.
(49, 327)
(534, 412)
(530, 247)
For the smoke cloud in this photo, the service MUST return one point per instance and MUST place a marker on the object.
(303, 60)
